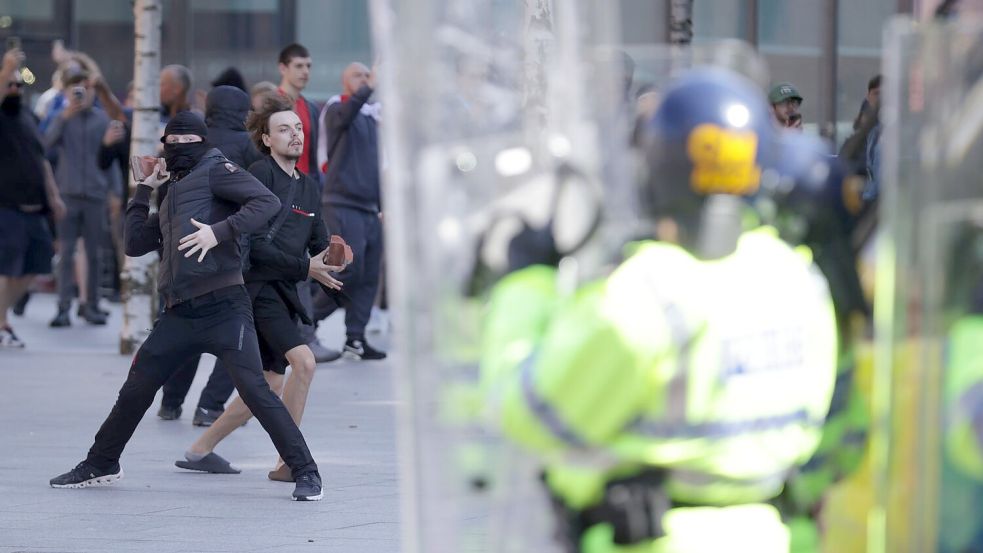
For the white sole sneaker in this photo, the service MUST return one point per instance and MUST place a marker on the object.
(107, 480)
(309, 498)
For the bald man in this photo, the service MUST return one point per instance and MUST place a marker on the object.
(352, 205)
(175, 86)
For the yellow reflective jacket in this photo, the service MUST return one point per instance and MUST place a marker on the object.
(719, 371)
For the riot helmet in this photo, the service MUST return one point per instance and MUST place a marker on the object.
(705, 147)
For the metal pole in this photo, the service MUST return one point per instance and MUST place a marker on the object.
(830, 73)
(751, 25)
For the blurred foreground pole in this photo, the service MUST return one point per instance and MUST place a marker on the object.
(139, 272)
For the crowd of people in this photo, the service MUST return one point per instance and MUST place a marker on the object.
(83, 134)
(266, 176)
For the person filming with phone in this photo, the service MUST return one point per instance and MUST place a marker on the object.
(785, 103)
(75, 139)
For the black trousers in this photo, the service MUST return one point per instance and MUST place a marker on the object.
(213, 397)
(363, 232)
(220, 323)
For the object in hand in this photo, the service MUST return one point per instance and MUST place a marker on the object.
(339, 252)
(142, 166)
(794, 118)
(78, 93)
(13, 43)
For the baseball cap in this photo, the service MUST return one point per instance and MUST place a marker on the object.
(783, 91)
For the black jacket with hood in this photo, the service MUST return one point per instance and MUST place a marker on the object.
(225, 115)
(215, 192)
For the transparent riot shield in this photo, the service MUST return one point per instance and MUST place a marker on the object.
(496, 114)
(928, 432)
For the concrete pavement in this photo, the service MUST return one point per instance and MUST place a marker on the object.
(57, 392)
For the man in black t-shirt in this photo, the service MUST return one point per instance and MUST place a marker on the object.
(27, 194)
(281, 256)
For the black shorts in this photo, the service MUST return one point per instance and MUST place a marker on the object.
(25, 243)
(276, 326)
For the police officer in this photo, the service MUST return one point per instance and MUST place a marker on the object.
(699, 371)
(206, 202)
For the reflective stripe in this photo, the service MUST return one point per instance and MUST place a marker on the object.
(668, 430)
(546, 414)
(678, 388)
(682, 336)
(698, 478)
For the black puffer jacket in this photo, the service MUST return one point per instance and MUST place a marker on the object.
(217, 193)
(225, 115)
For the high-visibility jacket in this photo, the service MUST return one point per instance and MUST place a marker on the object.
(720, 372)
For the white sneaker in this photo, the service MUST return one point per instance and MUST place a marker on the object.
(10, 340)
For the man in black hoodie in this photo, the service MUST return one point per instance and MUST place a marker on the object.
(290, 252)
(208, 203)
(225, 116)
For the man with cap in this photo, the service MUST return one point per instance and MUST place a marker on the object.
(205, 204)
(785, 102)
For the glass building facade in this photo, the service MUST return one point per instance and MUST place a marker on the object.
(205, 35)
(828, 48)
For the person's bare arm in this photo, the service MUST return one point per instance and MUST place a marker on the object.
(51, 191)
(110, 103)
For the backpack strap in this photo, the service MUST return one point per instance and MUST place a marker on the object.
(284, 211)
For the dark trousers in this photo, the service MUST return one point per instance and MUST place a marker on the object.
(363, 232)
(84, 218)
(213, 397)
(221, 323)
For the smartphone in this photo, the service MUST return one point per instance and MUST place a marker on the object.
(794, 118)
(78, 93)
(13, 42)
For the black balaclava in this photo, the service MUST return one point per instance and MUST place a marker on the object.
(183, 157)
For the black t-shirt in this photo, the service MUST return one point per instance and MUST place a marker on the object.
(21, 159)
(302, 233)
(299, 228)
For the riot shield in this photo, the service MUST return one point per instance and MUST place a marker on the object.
(476, 141)
(497, 114)
(928, 432)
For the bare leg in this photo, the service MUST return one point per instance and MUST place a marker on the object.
(235, 415)
(81, 271)
(11, 289)
(298, 385)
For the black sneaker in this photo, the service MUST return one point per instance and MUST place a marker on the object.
(308, 487)
(169, 413)
(82, 310)
(85, 475)
(205, 417)
(92, 315)
(61, 320)
(359, 349)
(21, 304)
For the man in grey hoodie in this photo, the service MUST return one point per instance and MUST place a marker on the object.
(74, 138)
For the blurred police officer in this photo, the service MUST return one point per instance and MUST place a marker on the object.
(701, 377)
